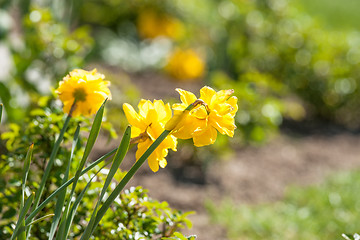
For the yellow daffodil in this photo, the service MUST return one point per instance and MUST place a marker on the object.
(152, 24)
(213, 111)
(146, 126)
(185, 65)
(87, 89)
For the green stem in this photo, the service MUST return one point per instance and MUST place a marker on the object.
(127, 178)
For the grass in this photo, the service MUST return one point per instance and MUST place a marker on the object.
(324, 211)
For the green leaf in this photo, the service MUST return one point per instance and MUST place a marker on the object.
(76, 204)
(26, 172)
(48, 167)
(63, 187)
(61, 199)
(127, 177)
(40, 219)
(23, 185)
(22, 216)
(94, 132)
(119, 156)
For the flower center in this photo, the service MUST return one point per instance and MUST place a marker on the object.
(79, 94)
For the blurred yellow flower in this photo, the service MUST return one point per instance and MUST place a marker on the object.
(87, 89)
(215, 112)
(151, 24)
(185, 65)
(146, 126)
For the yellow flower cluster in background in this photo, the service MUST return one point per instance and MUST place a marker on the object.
(152, 24)
(86, 89)
(185, 65)
(147, 125)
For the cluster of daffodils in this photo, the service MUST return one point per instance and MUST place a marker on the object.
(194, 118)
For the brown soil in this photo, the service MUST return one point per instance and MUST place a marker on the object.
(252, 174)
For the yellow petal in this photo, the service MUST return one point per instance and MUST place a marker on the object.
(187, 127)
(162, 163)
(135, 131)
(153, 163)
(151, 117)
(144, 106)
(206, 94)
(179, 107)
(155, 130)
(220, 97)
(233, 103)
(163, 111)
(224, 124)
(207, 137)
(142, 147)
(169, 142)
(133, 117)
(186, 97)
(199, 112)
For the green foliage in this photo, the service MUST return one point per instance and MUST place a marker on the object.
(180, 236)
(135, 216)
(43, 53)
(346, 13)
(317, 212)
(275, 38)
(146, 217)
(261, 104)
(40, 128)
(351, 237)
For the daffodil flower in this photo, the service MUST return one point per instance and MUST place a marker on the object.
(146, 126)
(214, 111)
(83, 92)
(185, 65)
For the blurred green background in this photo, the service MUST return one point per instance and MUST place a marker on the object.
(288, 62)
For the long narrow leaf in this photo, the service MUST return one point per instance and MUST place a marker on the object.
(76, 205)
(127, 178)
(119, 156)
(61, 199)
(64, 186)
(22, 216)
(94, 132)
(49, 166)
(23, 185)
(26, 172)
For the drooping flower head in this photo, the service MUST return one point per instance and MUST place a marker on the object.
(146, 126)
(215, 113)
(86, 88)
